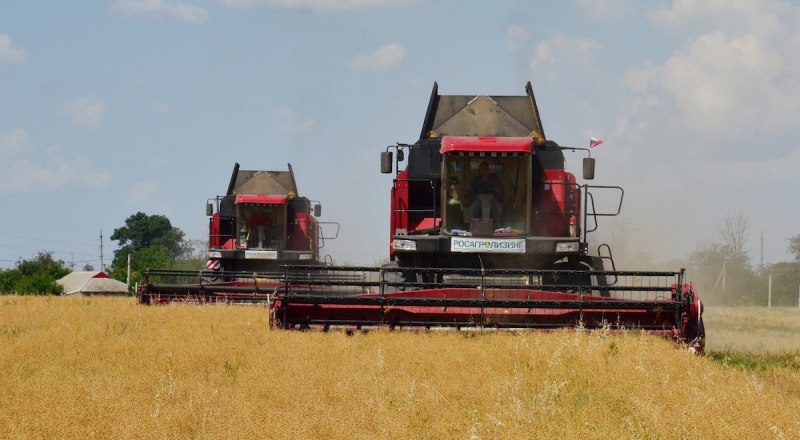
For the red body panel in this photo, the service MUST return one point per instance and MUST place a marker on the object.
(428, 223)
(399, 217)
(559, 200)
(486, 144)
(214, 238)
(302, 236)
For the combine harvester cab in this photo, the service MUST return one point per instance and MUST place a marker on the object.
(483, 188)
(488, 229)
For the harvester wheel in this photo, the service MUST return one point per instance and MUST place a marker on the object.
(572, 275)
(210, 276)
(695, 335)
(394, 277)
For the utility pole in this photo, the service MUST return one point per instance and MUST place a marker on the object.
(128, 281)
(769, 292)
(102, 266)
(761, 265)
(724, 275)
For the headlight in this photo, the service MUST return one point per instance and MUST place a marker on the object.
(305, 256)
(571, 246)
(214, 254)
(404, 245)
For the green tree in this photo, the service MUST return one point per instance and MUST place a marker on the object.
(8, 280)
(154, 257)
(151, 241)
(785, 283)
(722, 269)
(733, 237)
(37, 276)
(794, 247)
(143, 231)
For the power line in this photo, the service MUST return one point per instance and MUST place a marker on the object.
(46, 240)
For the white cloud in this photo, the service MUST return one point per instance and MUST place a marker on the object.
(517, 38)
(607, 9)
(759, 16)
(724, 85)
(294, 125)
(769, 173)
(161, 8)
(15, 142)
(86, 111)
(142, 193)
(23, 170)
(564, 49)
(382, 58)
(9, 53)
(317, 5)
(737, 74)
(161, 108)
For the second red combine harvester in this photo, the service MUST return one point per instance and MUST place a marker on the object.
(259, 225)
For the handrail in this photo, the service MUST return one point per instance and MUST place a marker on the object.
(589, 197)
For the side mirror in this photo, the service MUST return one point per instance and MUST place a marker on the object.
(588, 168)
(317, 210)
(386, 162)
(209, 209)
(400, 155)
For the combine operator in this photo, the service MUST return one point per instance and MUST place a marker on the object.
(485, 189)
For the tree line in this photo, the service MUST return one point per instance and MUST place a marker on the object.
(721, 268)
(725, 273)
(150, 240)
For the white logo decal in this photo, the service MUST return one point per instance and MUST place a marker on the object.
(515, 246)
(261, 255)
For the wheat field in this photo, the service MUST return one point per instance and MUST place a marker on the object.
(753, 329)
(109, 368)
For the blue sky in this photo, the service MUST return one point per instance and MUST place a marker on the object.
(113, 107)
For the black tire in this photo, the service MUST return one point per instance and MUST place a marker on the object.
(210, 276)
(569, 281)
(394, 276)
(603, 283)
(695, 335)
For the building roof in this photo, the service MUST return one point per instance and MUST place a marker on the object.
(92, 283)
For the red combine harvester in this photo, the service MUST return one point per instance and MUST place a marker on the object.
(488, 229)
(260, 224)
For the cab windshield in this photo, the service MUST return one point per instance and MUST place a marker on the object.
(260, 226)
(486, 196)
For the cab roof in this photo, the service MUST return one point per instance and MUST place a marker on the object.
(261, 199)
(486, 144)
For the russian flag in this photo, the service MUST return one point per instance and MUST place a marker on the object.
(593, 142)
